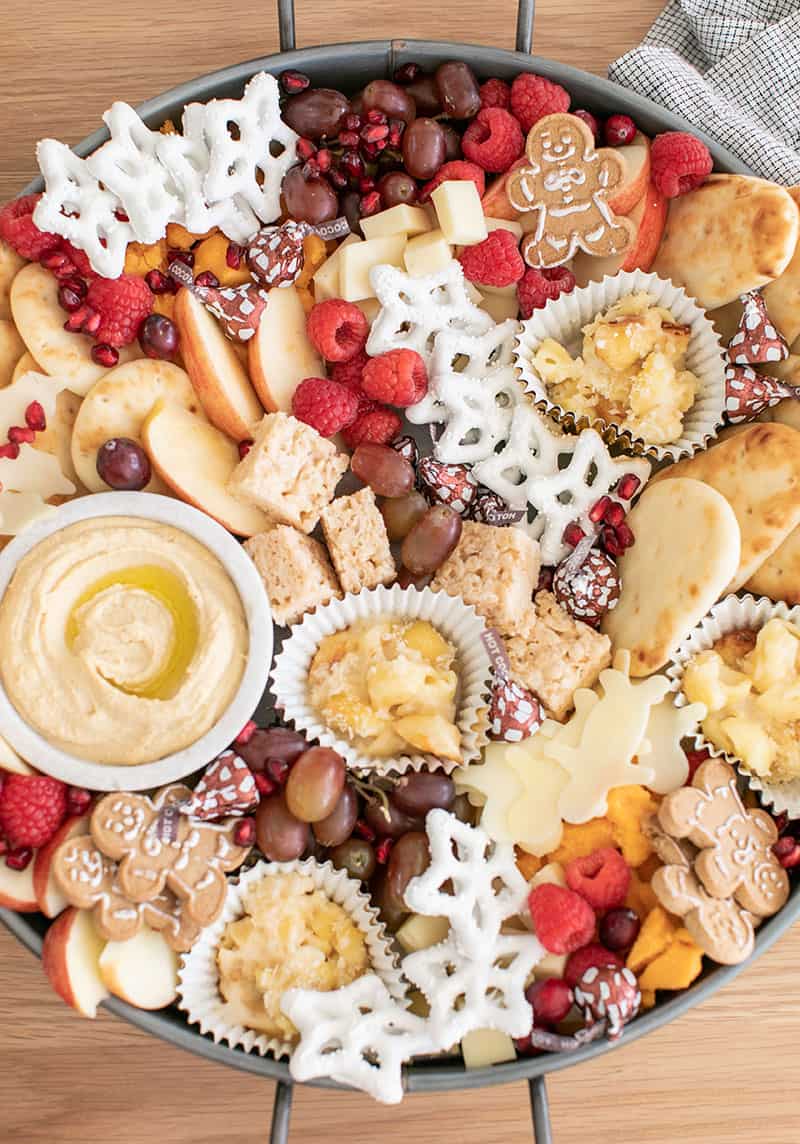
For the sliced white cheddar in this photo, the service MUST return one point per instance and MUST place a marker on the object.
(484, 1047)
(400, 219)
(358, 259)
(460, 214)
(326, 279)
(427, 253)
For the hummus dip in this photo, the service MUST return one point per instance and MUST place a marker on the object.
(123, 640)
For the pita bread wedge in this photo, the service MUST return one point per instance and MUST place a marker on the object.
(758, 473)
(783, 295)
(10, 264)
(779, 575)
(686, 551)
(732, 234)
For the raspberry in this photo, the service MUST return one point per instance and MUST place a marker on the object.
(619, 131)
(494, 262)
(589, 957)
(601, 877)
(550, 999)
(123, 304)
(591, 122)
(349, 374)
(18, 229)
(679, 162)
(32, 807)
(537, 287)
(337, 329)
(325, 405)
(563, 921)
(455, 171)
(398, 377)
(495, 93)
(533, 97)
(378, 426)
(79, 259)
(493, 140)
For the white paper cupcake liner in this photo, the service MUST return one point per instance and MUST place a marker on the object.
(732, 614)
(198, 976)
(564, 317)
(458, 622)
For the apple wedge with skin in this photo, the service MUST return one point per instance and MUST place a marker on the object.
(16, 889)
(50, 899)
(71, 959)
(649, 216)
(280, 354)
(636, 157)
(215, 369)
(142, 971)
(10, 761)
(196, 461)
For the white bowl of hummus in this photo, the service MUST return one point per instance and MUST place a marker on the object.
(137, 641)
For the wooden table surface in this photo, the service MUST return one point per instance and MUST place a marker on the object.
(713, 1077)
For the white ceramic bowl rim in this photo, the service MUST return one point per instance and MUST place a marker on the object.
(35, 749)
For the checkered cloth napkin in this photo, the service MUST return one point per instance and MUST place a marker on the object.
(732, 68)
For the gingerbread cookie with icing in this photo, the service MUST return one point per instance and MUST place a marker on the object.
(569, 183)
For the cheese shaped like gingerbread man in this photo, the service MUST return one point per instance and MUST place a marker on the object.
(569, 183)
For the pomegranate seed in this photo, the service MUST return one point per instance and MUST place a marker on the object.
(598, 509)
(35, 418)
(159, 282)
(324, 159)
(619, 130)
(591, 122)
(351, 122)
(372, 150)
(352, 164)
(78, 800)
(92, 324)
(338, 178)
(572, 534)
(694, 759)
(364, 830)
(294, 81)
(611, 542)
(121, 215)
(311, 170)
(20, 858)
(614, 514)
(244, 832)
(781, 820)
(407, 73)
(55, 260)
(787, 851)
(207, 278)
(625, 535)
(244, 448)
(21, 435)
(348, 140)
(278, 770)
(305, 149)
(69, 299)
(373, 133)
(104, 354)
(11, 451)
(374, 115)
(76, 283)
(545, 581)
(383, 850)
(627, 486)
(370, 204)
(396, 129)
(366, 185)
(234, 255)
(264, 785)
(246, 733)
(184, 256)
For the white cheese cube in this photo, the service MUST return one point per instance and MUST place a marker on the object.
(358, 259)
(483, 1047)
(400, 219)
(427, 253)
(459, 210)
(504, 224)
(326, 279)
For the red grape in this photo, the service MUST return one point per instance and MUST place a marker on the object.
(309, 200)
(431, 540)
(425, 94)
(409, 857)
(421, 791)
(619, 929)
(458, 90)
(423, 148)
(393, 101)
(338, 826)
(356, 856)
(382, 468)
(158, 337)
(452, 142)
(317, 112)
(123, 464)
(314, 784)
(389, 821)
(281, 837)
(397, 187)
(400, 514)
(279, 743)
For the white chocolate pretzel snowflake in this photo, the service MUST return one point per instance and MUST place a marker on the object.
(477, 412)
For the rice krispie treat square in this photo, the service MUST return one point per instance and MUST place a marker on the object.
(295, 569)
(553, 655)
(357, 541)
(290, 472)
(494, 569)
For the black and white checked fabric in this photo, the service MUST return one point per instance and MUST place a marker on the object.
(732, 68)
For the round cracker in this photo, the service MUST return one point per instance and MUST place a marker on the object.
(40, 322)
(26, 364)
(117, 405)
(686, 552)
(12, 349)
(10, 264)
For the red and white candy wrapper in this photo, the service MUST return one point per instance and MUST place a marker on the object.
(227, 788)
(748, 394)
(756, 340)
(452, 485)
(407, 447)
(587, 588)
(514, 713)
(609, 995)
(275, 256)
(490, 508)
(239, 308)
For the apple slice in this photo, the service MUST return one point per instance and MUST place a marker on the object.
(636, 157)
(495, 201)
(280, 355)
(142, 971)
(71, 959)
(10, 761)
(196, 461)
(648, 216)
(48, 896)
(215, 369)
(16, 889)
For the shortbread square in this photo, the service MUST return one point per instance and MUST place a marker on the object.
(295, 569)
(494, 569)
(553, 655)
(357, 541)
(290, 472)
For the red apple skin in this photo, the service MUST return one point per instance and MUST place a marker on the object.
(642, 251)
(72, 826)
(495, 201)
(16, 889)
(54, 955)
(628, 194)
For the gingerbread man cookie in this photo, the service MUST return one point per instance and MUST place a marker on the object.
(568, 182)
(157, 846)
(735, 858)
(88, 880)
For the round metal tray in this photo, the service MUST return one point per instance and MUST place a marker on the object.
(350, 66)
